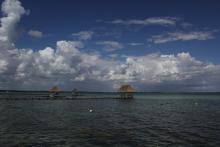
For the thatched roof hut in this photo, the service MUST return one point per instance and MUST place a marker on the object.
(126, 88)
(75, 92)
(54, 89)
(126, 91)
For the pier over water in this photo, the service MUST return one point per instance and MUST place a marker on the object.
(125, 92)
(44, 95)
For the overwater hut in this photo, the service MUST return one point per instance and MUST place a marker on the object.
(75, 92)
(54, 90)
(126, 91)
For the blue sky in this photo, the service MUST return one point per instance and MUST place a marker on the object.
(58, 20)
(172, 42)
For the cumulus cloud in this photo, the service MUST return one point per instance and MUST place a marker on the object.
(3, 66)
(12, 12)
(182, 36)
(84, 35)
(110, 45)
(179, 72)
(164, 21)
(68, 66)
(35, 34)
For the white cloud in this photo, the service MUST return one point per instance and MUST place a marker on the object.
(12, 12)
(68, 66)
(186, 25)
(182, 72)
(110, 45)
(84, 35)
(135, 44)
(165, 21)
(114, 55)
(35, 34)
(182, 36)
(3, 66)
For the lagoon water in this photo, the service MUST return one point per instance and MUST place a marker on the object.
(151, 120)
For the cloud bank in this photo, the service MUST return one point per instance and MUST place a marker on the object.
(68, 66)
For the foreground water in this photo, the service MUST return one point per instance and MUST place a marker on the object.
(148, 120)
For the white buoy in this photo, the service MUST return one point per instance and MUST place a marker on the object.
(90, 110)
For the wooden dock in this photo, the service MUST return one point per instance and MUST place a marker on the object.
(16, 96)
(58, 98)
(19, 95)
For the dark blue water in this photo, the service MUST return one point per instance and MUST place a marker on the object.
(171, 120)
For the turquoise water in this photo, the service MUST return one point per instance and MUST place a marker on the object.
(182, 120)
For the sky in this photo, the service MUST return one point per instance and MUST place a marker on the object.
(154, 45)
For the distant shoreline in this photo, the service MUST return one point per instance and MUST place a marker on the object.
(83, 95)
(141, 92)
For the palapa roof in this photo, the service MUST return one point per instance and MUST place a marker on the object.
(75, 90)
(126, 88)
(54, 89)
